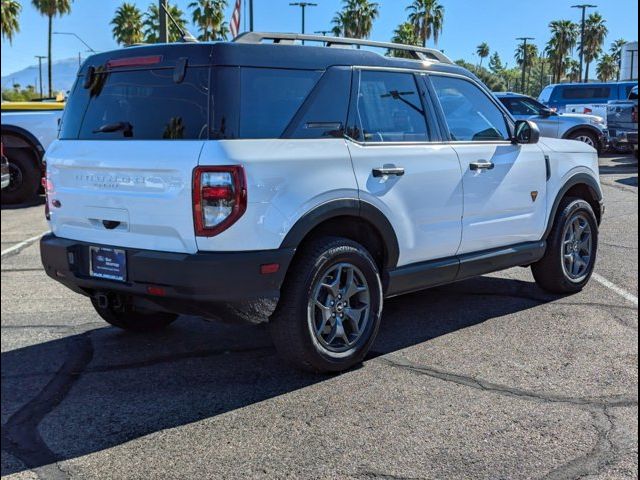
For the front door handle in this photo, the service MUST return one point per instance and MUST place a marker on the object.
(482, 165)
(388, 172)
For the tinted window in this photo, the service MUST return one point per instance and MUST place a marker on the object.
(390, 108)
(633, 93)
(585, 93)
(270, 98)
(139, 105)
(470, 114)
(521, 106)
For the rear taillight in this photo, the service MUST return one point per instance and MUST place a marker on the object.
(219, 198)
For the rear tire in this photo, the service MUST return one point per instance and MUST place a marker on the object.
(129, 318)
(25, 177)
(330, 307)
(572, 249)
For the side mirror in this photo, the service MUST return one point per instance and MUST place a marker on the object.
(547, 112)
(526, 132)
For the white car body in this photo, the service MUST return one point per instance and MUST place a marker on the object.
(42, 124)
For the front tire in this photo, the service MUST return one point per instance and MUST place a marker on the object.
(572, 248)
(330, 307)
(127, 317)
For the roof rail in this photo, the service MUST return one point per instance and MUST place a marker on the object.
(419, 53)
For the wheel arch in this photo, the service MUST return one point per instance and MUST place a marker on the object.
(583, 127)
(580, 185)
(17, 137)
(354, 219)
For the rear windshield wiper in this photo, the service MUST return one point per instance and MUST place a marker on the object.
(125, 127)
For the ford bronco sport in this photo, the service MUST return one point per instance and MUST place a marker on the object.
(267, 181)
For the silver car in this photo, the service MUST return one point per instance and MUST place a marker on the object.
(590, 129)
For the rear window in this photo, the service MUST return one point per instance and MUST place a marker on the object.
(270, 98)
(545, 95)
(139, 105)
(585, 93)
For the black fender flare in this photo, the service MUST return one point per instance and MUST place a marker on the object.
(577, 179)
(28, 137)
(346, 207)
(588, 128)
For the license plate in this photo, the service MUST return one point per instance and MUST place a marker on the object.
(108, 263)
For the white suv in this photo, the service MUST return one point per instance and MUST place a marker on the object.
(262, 180)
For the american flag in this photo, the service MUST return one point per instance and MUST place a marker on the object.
(235, 20)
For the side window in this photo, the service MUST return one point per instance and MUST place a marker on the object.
(470, 114)
(390, 108)
(520, 107)
(270, 98)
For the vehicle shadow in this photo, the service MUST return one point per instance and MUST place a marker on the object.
(39, 200)
(91, 391)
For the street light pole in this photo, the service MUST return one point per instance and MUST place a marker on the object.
(251, 15)
(303, 6)
(40, 57)
(583, 7)
(163, 34)
(524, 59)
(78, 37)
(633, 56)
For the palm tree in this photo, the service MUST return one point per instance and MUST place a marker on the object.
(595, 31)
(483, 51)
(208, 15)
(616, 51)
(607, 67)
(405, 35)
(151, 23)
(356, 18)
(495, 63)
(9, 25)
(573, 69)
(564, 36)
(531, 54)
(427, 18)
(127, 24)
(51, 8)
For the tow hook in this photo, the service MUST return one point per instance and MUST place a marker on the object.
(109, 300)
(103, 300)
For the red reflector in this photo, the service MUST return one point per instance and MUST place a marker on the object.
(224, 192)
(134, 61)
(269, 268)
(157, 291)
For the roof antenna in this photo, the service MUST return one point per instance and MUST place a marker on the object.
(185, 35)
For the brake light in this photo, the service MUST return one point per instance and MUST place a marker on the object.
(219, 198)
(134, 61)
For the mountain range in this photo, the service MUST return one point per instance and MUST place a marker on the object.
(64, 73)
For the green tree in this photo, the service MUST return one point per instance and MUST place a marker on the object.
(495, 63)
(50, 9)
(595, 31)
(151, 23)
(607, 67)
(405, 35)
(9, 24)
(531, 54)
(208, 15)
(483, 51)
(127, 24)
(564, 36)
(427, 18)
(356, 18)
(494, 82)
(573, 69)
(616, 51)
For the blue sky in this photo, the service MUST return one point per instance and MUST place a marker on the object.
(467, 23)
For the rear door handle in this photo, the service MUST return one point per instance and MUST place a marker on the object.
(482, 165)
(388, 172)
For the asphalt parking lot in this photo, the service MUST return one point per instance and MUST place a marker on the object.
(486, 379)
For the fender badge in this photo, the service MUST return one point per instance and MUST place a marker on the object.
(534, 195)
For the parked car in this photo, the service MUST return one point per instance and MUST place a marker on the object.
(589, 129)
(27, 130)
(622, 118)
(589, 98)
(268, 181)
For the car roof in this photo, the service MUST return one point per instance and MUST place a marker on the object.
(590, 84)
(510, 94)
(265, 55)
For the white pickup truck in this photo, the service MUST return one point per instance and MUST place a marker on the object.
(27, 130)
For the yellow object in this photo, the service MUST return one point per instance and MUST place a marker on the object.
(17, 106)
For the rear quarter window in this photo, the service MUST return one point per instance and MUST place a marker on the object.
(586, 93)
(139, 105)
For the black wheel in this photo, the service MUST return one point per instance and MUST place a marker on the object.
(571, 249)
(587, 137)
(25, 176)
(330, 307)
(127, 317)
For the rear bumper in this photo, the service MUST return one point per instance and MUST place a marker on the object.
(620, 136)
(193, 279)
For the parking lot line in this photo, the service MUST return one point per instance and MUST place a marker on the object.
(19, 246)
(612, 286)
